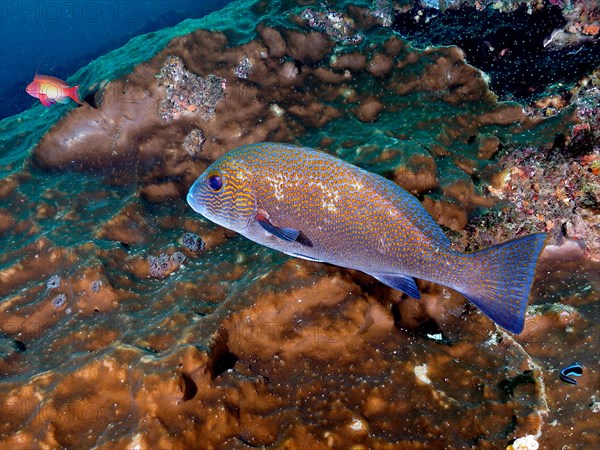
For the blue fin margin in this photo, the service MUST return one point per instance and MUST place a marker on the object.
(506, 275)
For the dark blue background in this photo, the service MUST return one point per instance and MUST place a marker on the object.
(65, 35)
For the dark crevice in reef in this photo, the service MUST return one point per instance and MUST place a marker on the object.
(222, 359)
(189, 387)
(509, 385)
(510, 47)
(425, 328)
(428, 328)
(223, 362)
(248, 443)
(20, 346)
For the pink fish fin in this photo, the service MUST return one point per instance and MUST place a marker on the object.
(287, 234)
(74, 94)
(47, 102)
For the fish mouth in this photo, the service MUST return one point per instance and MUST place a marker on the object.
(193, 203)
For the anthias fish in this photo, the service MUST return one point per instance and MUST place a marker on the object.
(51, 90)
(311, 205)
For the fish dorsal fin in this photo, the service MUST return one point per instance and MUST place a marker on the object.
(430, 226)
(419, 216)
(399, 282)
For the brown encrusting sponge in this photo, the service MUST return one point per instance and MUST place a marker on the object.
(323, 363)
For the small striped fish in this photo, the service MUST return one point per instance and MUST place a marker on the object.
(312, 205)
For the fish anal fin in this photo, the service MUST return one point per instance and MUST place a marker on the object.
(401, 283)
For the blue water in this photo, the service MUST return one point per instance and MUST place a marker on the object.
(63, 36)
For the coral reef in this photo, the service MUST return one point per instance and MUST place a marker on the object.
(188, 92)
(336, 25)
(193, 142)
(242, 70)
(96, 285)
(550, 192)
(524, 443)
(523, 46)
(552, 189)
(127, 321)
(193, 243)
(383, 10)
(59, 301)
(162, 265)
(53, 282)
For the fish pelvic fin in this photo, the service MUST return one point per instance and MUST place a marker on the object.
(47, 102)
(74, 94)
(502, 279)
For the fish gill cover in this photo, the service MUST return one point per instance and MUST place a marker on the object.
(128, 321)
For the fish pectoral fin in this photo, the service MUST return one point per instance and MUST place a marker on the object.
(287, 234)
(399, 282)
(46, 101)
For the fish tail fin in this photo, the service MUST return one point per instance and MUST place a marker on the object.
(74, 94)
(503, 277)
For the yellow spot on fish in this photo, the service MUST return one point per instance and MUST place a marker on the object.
(357, 185)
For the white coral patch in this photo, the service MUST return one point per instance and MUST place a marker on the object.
(526, 443)
(421, 373)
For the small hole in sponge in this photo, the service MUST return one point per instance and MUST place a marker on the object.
(189, 387)
(223, 362)
(222, 359)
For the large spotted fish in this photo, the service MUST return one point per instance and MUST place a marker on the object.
(312, 205)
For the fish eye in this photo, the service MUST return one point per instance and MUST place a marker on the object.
(214, 182)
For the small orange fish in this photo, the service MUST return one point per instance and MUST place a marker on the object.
(51, 90)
